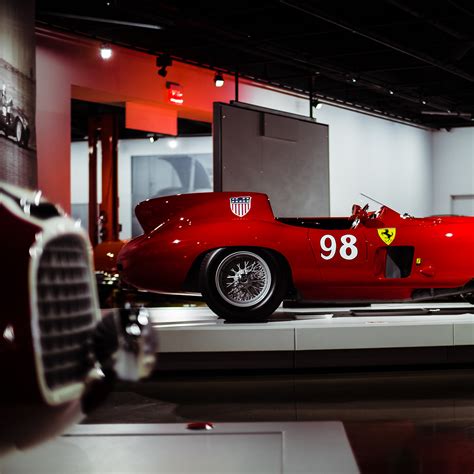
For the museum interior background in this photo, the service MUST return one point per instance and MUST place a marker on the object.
(404, 407)
(357, 142)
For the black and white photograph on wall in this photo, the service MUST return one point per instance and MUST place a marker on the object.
(17, 93)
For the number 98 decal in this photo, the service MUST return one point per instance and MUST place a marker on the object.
(347, 249)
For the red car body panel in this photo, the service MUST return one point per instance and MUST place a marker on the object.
(330, 259)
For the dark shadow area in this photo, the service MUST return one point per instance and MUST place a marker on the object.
(397, 420)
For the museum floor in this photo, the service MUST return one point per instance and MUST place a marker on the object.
(397, 421)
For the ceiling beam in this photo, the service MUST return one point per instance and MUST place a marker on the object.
(422, 16)
(379, 39)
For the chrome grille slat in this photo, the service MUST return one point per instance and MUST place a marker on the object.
(73, 348)
(65, 298)
(63, 327)
(61, 310)
(65, 311)
(59, 282)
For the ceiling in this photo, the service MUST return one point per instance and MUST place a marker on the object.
(408, 60)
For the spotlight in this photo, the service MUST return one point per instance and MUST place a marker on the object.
(218, 79)
(153, 138)
(105, 51)
(173, 143)
(162, 62)
(162, 71)
(390, 92)
(317, 105)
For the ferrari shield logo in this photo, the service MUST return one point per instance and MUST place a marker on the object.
(241, 205)
(387, 234)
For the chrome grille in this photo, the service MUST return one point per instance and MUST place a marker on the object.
(66, 311)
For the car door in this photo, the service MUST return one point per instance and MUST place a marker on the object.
(341, 255)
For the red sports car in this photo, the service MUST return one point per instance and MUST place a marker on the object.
(230, 247)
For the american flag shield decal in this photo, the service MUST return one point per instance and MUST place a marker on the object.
(241, 205)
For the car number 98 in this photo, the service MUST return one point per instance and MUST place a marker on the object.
(347, 247)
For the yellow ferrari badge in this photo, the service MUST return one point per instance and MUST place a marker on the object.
(387, 234)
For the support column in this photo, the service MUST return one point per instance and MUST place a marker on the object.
(110, 201)
(93, 222)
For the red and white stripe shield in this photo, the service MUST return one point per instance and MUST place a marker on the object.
(241, 205)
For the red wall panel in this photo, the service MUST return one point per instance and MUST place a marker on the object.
(151, 118)
(70, 67)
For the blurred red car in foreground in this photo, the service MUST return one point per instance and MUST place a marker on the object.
(58, 356)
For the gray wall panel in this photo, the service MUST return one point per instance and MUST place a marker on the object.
(280, 154)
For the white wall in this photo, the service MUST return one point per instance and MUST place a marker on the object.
(128, 148)
(80, 172)
(453, 166)
(389, 161)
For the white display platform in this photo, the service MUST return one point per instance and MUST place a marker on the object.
(199, 330)
(276, 447)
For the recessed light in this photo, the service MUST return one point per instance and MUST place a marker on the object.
(105, 51)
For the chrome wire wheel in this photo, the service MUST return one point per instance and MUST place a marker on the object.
(243, 279)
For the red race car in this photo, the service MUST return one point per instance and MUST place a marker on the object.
(230, 247)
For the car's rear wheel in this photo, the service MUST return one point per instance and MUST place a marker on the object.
(242, 285)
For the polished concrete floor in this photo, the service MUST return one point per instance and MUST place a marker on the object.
(397, 421)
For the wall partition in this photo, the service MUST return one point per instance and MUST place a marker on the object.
(283, 155)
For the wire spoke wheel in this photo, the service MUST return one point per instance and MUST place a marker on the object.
(243, 279)
(242, 285)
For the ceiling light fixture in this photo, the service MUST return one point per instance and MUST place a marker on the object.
(218, 79)
(105, 51)
(163, 61)
(317, 105)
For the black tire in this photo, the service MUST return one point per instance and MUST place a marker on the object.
(259, 285)
(22, 134)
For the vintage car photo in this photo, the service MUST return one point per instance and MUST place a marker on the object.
(230, 247)
(13, 121)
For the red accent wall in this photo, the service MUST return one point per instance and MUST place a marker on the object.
(70, 67)
(151, 118)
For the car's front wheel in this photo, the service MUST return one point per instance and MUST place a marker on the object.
(242, 285)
